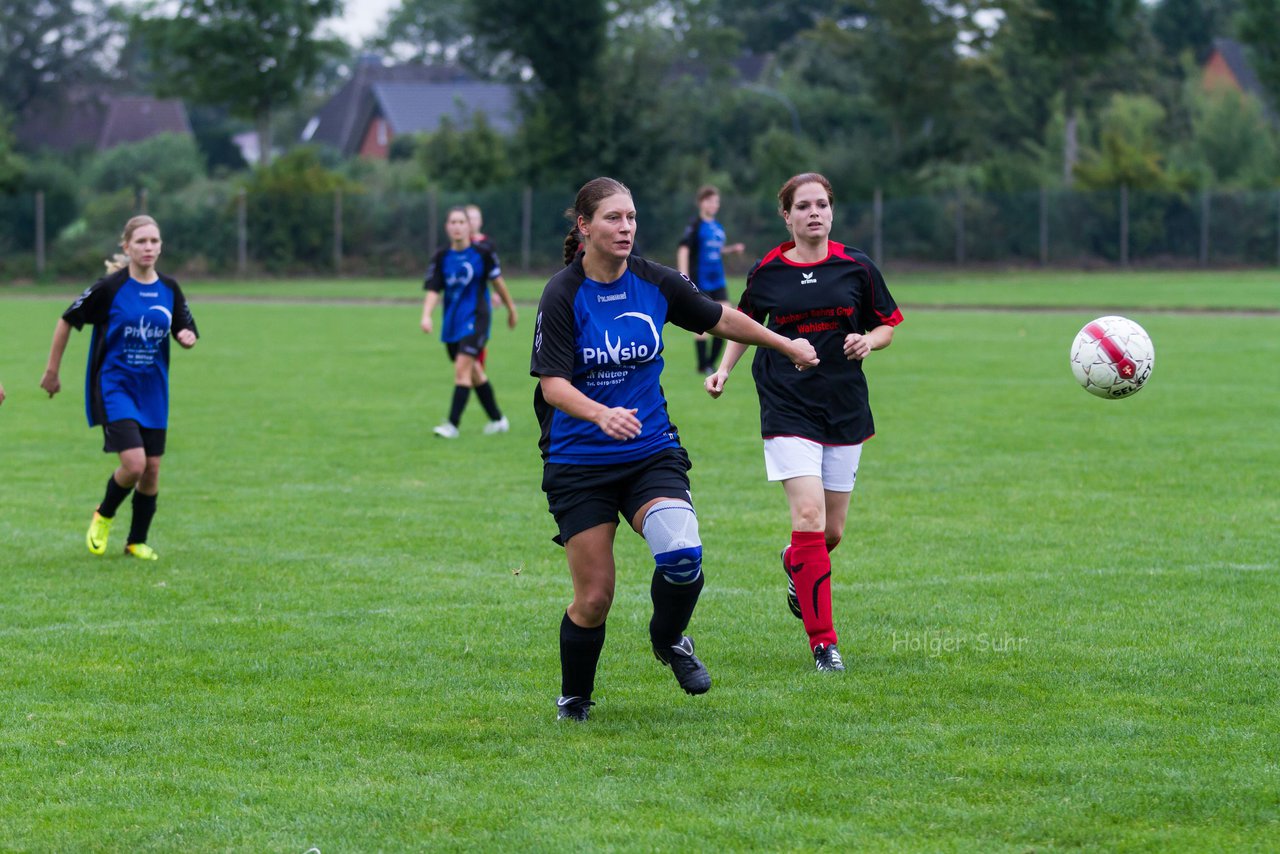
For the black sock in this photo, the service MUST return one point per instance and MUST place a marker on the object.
(673, 606)
(144, 508)
(579, 653)
(701, 345)
(460, 395)
(115, 496)
(717, 347)
(487, 400)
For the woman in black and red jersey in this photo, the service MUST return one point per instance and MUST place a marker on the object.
(814, 422)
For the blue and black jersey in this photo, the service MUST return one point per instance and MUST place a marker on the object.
(606, 338)
(128, 371)
(705, 242)
(463, 276)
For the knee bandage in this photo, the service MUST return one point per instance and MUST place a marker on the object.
(671, 530)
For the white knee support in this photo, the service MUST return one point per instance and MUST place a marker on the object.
(671, 530)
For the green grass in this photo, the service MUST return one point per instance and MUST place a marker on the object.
(1168, 289)
(1058, 612)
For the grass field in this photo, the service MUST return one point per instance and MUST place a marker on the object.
(1058, 612)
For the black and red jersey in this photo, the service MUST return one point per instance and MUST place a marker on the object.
(823, 302)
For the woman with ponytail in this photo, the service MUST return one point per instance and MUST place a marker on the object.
(608, 445)
(134, 310)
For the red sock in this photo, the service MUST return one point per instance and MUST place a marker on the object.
(810, 567)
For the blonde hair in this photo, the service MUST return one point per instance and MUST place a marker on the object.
(119, 261)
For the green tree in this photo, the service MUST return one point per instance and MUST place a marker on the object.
(471, 159)
(1259, 28)
(432, 32)
(251, 56)
(562, 47)
(12, 167)
(1189, 25)
(1130, 150)
(49, 45)
(1076, 33)
(1232, 147)
(161, 164)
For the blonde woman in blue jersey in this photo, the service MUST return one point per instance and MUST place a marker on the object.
(134, 310)
(608, 445)
(463, 272)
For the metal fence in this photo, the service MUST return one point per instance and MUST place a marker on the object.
(221, 231)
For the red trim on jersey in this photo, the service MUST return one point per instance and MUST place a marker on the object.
(1125, 366)
(833, 248)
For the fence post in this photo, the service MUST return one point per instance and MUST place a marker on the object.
(877, 226)
(242, 232)
(1278, 229)
(40, 233)
(960, 228)
(526, 229)
(1124, 225)
(337, 230)
(433, 221)
(1204, 227)
(141, 200)
(1044, 226)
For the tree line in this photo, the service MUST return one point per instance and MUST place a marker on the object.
(908, 97)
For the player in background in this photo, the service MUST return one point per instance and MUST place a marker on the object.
(1, 394)
(608, 445)
(476, 217)
(814, 423)
(463, 271)
(700, 257)
(134, 310)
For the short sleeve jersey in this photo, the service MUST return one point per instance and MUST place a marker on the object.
(128, 369)
(822, 302)
(606, 339)
(463, 276)
(705, 242)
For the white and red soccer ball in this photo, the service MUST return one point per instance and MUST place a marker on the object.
(1112, 357)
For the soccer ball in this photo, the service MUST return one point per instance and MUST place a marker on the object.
(1112, 357)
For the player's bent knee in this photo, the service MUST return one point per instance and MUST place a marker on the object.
(671, 530)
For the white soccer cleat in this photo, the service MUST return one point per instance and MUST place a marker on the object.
(502, 425)
(446, 431)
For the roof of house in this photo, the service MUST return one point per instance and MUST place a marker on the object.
(411, 97)
(1232, 53)
(420, 107)
(97, 120)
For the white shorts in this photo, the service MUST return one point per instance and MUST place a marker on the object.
(786, 457)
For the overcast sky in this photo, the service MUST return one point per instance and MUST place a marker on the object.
(362, 18)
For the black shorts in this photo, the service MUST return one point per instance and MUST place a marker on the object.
(581, 497)
(472, 345)
(127, 434)
(719, 294)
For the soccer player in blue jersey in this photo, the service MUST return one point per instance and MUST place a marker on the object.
(608, 444)
(700, 256)
(134, 310)
(463, 271)
(814, 424)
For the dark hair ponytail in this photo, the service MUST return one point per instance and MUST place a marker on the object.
(572, 240)
(589, 197)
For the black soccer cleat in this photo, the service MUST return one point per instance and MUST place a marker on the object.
(827, 659)
(690, 672)
(573, 709)
(793, 601)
